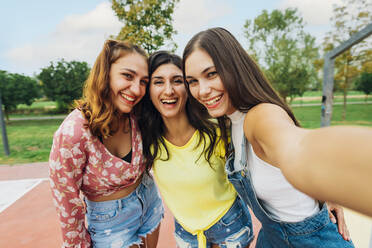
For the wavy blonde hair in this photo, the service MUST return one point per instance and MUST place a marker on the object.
(97, 104)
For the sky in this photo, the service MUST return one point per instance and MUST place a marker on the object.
(34, 33)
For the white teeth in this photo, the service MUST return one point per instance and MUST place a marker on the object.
(169, 101)
(131, 99)
(213, 101)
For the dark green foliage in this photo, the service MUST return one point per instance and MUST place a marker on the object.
(364, 83)
(63, 82)
(17, 89)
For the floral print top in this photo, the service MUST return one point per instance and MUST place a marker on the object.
(80, 163)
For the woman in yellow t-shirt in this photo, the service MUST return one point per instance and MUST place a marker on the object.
(187, 156)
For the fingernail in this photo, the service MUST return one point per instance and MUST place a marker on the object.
(333, 220)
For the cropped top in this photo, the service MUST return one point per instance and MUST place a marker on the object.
(79, 162)
(197, 193)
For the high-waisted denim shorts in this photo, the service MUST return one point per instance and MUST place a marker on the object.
(233, 230)
(121, 223)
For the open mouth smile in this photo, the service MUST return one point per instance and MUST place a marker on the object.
(213, 102)
(128, 98)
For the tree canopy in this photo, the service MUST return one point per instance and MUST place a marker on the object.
(17, 89)
(147, 23)
(283, 49)
(364, 83)
(63, 81)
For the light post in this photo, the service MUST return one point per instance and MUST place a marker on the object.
(3, 129)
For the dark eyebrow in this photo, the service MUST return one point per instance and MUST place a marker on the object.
(130, 70)
(207, 69)
(204, 71)
(157, 77)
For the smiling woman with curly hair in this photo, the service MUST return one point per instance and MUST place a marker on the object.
(97, 151)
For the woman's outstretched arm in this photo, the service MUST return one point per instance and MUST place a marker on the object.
(331, 164)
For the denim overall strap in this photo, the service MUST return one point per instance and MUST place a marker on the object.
(314, 231)
(271, 233)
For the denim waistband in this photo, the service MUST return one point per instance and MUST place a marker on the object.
(111, 204)
(308, 225)
(147, 179)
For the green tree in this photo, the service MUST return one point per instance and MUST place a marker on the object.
(284, 50)
(17, 89)
(364, 83)
(63, 82)
(348, 18)
(147, 23)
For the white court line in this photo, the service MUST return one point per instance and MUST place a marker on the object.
(12, 190)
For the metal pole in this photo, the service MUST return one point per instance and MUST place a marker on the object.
(327, 99)
(329, 64)
(3, 129)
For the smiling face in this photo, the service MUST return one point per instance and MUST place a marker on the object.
(167, 91)
(128, 80)
(206, 85)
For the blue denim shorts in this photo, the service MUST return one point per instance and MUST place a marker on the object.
(233, 230)
(121, 223)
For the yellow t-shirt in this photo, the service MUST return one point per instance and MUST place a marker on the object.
(197, 194)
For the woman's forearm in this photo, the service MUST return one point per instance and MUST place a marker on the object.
(335, 164)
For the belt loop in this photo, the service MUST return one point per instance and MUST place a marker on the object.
(120, 205)
(146, 180)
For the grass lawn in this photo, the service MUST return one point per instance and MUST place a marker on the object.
(38, 105)
(356, 114)
(337, 93)
(30, 141)
(338, 99)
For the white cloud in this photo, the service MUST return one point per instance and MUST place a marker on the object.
(314, 12)
(77, 37)
(191, 15)
(80, 37)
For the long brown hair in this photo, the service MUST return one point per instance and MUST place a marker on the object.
(96, 104)
(151, 123)
(242, 78)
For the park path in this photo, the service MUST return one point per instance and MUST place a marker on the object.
(27, 215)
(28, 218)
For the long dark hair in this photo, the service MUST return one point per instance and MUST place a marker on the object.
(242, 78)
(151, 123)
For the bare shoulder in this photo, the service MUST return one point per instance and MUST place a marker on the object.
(267, 122)
(265, 115)
(272, 131)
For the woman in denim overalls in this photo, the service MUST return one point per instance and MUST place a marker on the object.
(266, 135)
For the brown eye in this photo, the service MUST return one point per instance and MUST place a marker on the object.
(127, 76)
(211, 74)
(178, 80)
(144, 82)
(191, 81)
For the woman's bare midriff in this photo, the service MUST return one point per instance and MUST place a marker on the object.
(117, 195)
